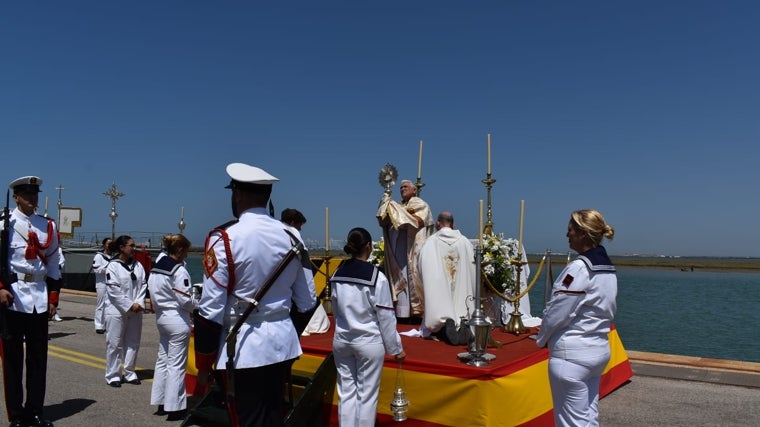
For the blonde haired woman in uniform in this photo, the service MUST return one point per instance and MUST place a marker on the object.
(577, 320)
(171, 294)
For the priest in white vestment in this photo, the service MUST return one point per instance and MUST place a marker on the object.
(447, 267)
(405, 225)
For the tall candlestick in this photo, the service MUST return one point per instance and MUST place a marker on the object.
(419, 163)
(522, 216)
(489, 154)
(327, 229)
(480, 223)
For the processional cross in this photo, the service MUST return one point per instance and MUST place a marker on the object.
(114, 194)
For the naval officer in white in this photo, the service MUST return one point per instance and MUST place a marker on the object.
(239, 257)
(28, 297)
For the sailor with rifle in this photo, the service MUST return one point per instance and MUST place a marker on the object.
(251, 278)
(31, 280)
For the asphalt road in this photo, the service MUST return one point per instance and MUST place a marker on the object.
(77, 394)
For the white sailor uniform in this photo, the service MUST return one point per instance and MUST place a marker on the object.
(365, 330)
(99, 263)
(171, 294)
(576, 322)
(125, 285)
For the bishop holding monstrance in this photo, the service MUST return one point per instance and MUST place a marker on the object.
(406, 225)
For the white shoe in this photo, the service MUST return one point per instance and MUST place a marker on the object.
(57, 318)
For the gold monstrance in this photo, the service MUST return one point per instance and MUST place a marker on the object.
(387, 177)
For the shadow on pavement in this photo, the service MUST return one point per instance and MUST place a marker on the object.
(66, 408)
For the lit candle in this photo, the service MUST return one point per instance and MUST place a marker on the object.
(419, 163)
(327, 229)
(489, 154)
(480, 223)
(522, 216)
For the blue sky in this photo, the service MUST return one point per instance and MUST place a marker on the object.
(646, 111)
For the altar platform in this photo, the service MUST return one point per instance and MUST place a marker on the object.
(513, 390)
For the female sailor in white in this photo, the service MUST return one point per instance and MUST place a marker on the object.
(365, 329)
(577, 320)
(171, 294)
(99, 264)
(126, 288)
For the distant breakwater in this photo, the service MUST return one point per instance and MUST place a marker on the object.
(677, 263)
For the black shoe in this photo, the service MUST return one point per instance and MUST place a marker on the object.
(17, 423)
(160, 411)
(100, 331)
(115, 383)
(177, 415)
(37, 421)
(451, 333)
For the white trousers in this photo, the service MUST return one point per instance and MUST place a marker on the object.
(100, 306)
(359, 371)
(169, 375)
(575, 388)
(123, 334)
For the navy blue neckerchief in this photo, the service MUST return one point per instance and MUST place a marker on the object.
(597, 260)
(356, 271)
(166, 266)
(130, 267)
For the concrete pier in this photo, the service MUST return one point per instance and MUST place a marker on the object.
(666, 390)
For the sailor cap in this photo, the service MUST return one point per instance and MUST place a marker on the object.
(26, 183)
(246, 174)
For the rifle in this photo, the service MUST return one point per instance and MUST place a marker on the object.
(253, 304)
(4, 235)
(4, 261)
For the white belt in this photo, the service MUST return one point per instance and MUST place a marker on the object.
(31, 277)
(230, 320)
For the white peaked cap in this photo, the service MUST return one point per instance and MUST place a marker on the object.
(247, 174)
(30, 181)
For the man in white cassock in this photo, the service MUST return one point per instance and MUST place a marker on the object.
(405, 225)
(446, 264)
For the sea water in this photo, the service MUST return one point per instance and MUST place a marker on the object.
(691, 313)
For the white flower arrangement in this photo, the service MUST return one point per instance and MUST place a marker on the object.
(378, 254)
(496, 263)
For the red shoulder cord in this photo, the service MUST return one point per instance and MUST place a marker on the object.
(34, 247)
